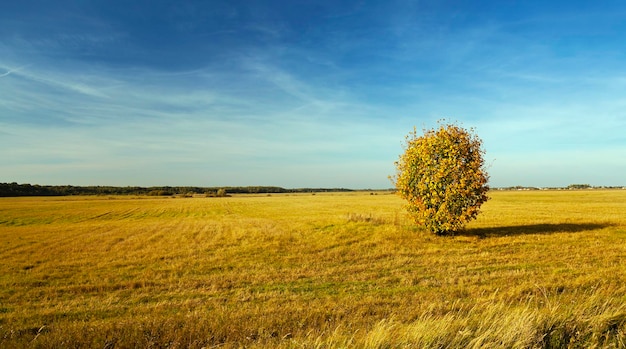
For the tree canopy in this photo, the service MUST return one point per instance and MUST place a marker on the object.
(441, 174)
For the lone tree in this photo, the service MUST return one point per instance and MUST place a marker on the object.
(441, 174)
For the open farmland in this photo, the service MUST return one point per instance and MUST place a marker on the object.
(537, 269)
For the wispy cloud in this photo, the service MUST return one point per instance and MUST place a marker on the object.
(157, 118)
(12, 70)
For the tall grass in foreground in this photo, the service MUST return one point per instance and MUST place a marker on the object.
(536, 270)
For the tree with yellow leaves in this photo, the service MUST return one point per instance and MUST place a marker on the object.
(442, 176)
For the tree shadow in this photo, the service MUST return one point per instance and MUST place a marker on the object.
(529, 229)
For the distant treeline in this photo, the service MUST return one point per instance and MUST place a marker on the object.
(569, 187)
(14, 189)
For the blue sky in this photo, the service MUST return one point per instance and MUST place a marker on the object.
(307, 93)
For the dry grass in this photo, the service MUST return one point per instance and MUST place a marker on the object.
(536, 270)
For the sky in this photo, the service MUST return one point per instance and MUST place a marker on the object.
(307, 93)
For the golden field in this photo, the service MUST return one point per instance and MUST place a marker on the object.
(537, 269)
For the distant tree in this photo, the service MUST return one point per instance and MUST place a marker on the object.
(579, 186)
(159, 192)
(442, 176)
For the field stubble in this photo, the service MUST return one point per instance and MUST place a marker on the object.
(536, 270)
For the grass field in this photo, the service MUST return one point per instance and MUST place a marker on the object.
(541, 269)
